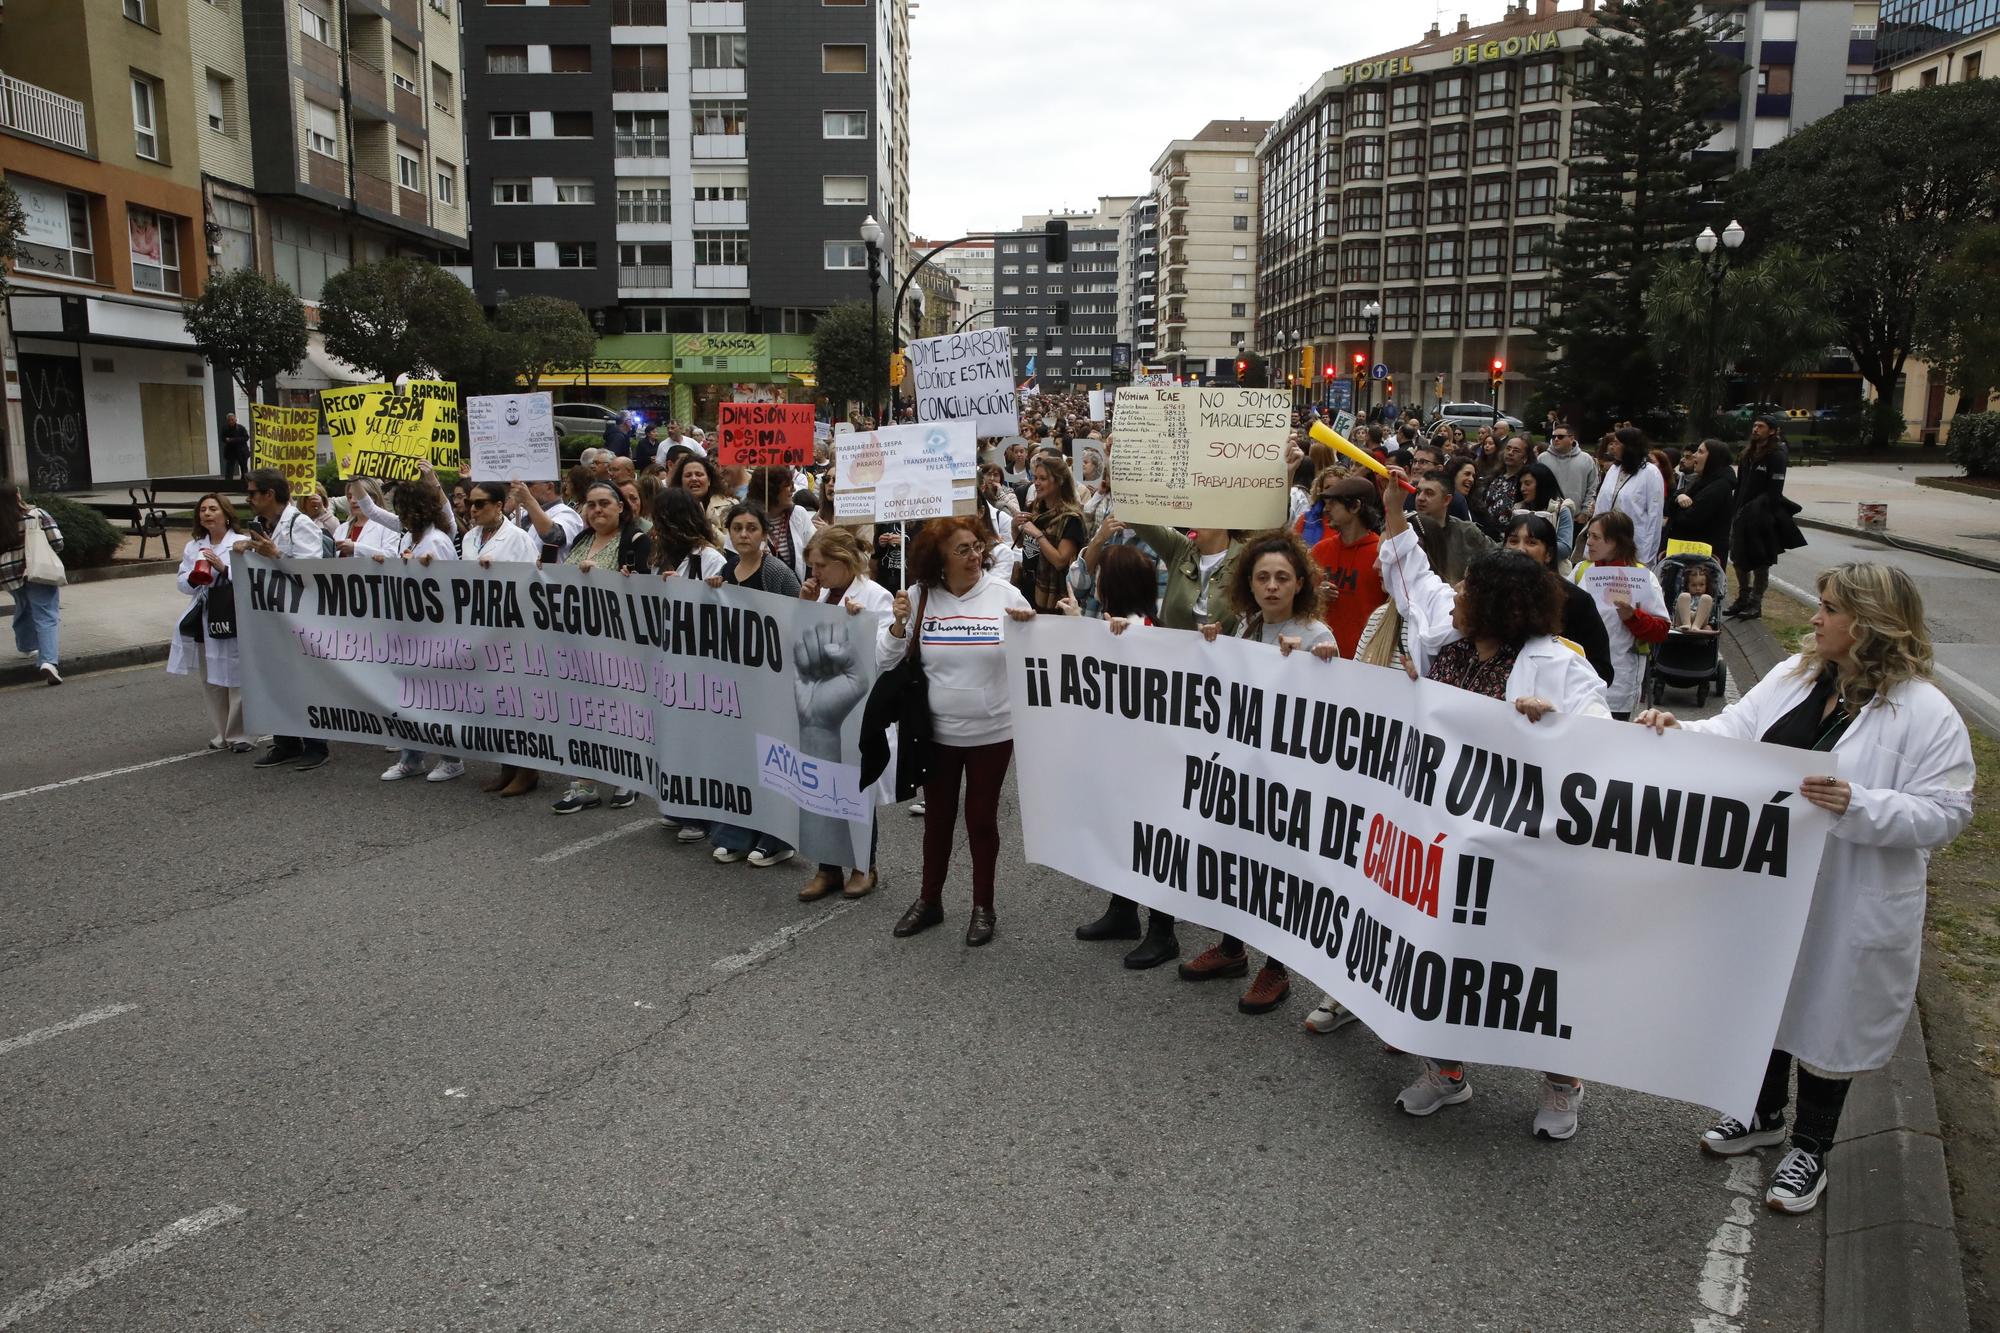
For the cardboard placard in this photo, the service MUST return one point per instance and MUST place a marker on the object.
(287, 439)
(1202, 457)
(512, 435)
(764, 434)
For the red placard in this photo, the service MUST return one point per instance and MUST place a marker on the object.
(765, 434)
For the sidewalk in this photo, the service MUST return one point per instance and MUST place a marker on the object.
(106, 624)
(1943, 523)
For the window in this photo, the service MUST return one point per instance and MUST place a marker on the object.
(569, 125)
(513, 190)
(1491, 143)
(1242, 195)
(843, 59)
(218, 97)
(644, 203)
(1239, 281)
(506, 60)
(1489, 199)
(314, 23)
(1365, 112)
(409, 167)
(1406, 154)
(576, 254)
(447, 183)
(1537, 196)
(441, 91)
(1441, 309)
(1399, 312)
(1240, 222)
(1406, 102)
(1968, 66)
(722, 247)
(1482, 308)
(1239, 309)
(1360, 263)
(1488, 253)
(1239, 252)
(843, 124)
(791, 319)
(1364, 158)
(719, 117)
(1581, 131)
(63, 245)
(304, 256)
(1496, 90)
(1400, 260)
(1448, 149)
(509, 125)
(1540, 82)
(156, 250)
(1448, 97)
(1010, 291)
(1011, 248)
(1242, 165)
(1442, 257)
(570, 190)
(1363, 211)
(322, 130)
(1530, 304)
(843, 190)
(145, 118)
(721, 194)
(646, 319)
(640, 133)
(136, 11)
(644, 265)
(1860, 85)
(1538, 137)
(639, 69)
(570, 60)
(846, 254)
(514, 254)
(403, 68)
(719, 50)
(1404, 204)
(1531, 249)
(1010, 269)
(1447, 203)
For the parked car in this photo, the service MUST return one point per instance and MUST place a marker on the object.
(582, 418)
(1751, 411)
(1470, 417)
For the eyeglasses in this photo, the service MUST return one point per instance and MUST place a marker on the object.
(479, 501)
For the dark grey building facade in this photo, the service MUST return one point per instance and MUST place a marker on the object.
(1064, 314)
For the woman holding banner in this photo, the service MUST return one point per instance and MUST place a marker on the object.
(488, 534)
(1534, 535)
(423, 517)
(1051, 534)
(204, 568)
(1861, 689)
(961, 614)
(839, 569)
(1494, 634)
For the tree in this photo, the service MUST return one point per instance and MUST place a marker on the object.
(398, 315)
(1774, 318)
(851, 359)
(1656, 79)
(251, 327)
(13, 222)
(1959, 320)
(548, 332)
(1887, 188)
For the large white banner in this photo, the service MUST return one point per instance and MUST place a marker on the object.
(1574, 895)
(724, 704)
(967, 377)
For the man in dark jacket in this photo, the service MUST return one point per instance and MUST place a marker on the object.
(235, 449)
(1764, 527)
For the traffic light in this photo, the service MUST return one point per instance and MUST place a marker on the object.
(1057, 243)
(1242, 370)
(1360, 362)
(1329, 374)
(1499, 370)
(1389, 387)
(1499, 367)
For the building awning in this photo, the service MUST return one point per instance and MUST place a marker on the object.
(616, 370)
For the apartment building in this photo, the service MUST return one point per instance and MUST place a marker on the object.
(1425, 183)
(614, 164)
(970, 263)
(1207, 189)
(1138, 284)
(1063, 313)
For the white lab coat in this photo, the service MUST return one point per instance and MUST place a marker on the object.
(1909, 763)
(1545, 668)
(508, 544)
(219, 656)
(1641, 497)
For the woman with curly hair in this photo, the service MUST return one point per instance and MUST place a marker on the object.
(1275, 587)
(1494, 634)
(960, 619)
(1861, 689)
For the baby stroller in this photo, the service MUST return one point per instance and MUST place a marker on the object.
(1689, 660)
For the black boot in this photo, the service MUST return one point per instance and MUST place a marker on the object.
(1753, 602)
(1119, 922)
(1161, 944)
(1744, 581)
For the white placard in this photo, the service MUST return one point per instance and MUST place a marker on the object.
(967, 377)
(1097, 404)
(512, 435)
(905, 473)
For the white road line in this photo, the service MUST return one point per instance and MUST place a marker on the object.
(564, 853)
(1724, 1287)
(778, 939)
(107, 773)
(97, 1015)
(116, 1262)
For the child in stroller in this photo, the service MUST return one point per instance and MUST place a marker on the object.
(1691, 656)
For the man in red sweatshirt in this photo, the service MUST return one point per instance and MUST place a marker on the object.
(1353, 587)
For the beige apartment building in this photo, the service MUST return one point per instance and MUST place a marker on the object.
(1207, 291)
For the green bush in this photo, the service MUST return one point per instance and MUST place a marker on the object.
(570, 448)
(89, 539)
(335, 485)
(1882, 424)
(1974, 443)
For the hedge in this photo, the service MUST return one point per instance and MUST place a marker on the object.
(1974, 443)
(89, 539)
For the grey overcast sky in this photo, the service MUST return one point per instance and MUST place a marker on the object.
(1033, 105)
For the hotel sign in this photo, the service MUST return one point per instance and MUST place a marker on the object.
(1470, 53)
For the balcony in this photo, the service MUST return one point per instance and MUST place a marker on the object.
(1177, 231)
(646, 275)
(1176, 258)
(718, 146)
(1176, 289)
(715, 14)
(37, 113)
(1177, 203)
(722, 275)
(1177, 170)
(639, 13)
(716, 81)
(1175, 319)
(721, 212)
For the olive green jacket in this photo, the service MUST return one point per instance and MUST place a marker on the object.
(1183, 564)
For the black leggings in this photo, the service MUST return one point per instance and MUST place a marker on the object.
(1820, 1102)
(1232, 945)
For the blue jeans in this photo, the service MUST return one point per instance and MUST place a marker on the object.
(736, 838)
(38, 621)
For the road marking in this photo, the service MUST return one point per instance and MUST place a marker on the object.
(564, 853)
(454, 1092)
(778, 939)
(97, 1015)
(107, 773)
(116, 1262)
(1724, 1287)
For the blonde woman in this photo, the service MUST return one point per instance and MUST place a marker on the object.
(1861, 689)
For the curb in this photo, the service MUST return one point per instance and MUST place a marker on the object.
(138, 654)
(131, 570)
(1950, 553)
(1893, 1259)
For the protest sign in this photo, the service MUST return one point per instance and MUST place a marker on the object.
(765, 434)
(1210, 458)
(377, 432)
(1343, 423)
(512, 435)
(905, 473)
(442, 414)
(1573, 894)
(725, 704)
(968, 377)
(1086, 462)
(287, 439)
(1097, 404)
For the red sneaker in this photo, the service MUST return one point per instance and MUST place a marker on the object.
(1267, 992)
(1212, 962)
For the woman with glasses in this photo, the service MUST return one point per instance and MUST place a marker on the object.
(610, 540)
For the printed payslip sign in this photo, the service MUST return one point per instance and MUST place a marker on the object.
(1209, 458)
(905, 473)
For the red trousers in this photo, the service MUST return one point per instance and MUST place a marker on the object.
(984, 770)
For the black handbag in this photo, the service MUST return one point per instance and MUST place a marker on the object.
(219, 609)
(194, 622)
(902, 698)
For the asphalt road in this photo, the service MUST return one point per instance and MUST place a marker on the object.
(453, 1078)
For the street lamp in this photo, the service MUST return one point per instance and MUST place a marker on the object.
(1372, 312)
(1714, 252)
(1298, 366)
(871, 236)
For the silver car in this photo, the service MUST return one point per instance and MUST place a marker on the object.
(583, 418)
(1469, 417)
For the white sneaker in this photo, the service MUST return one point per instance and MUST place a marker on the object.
(1434, 1089)
(399, 770)
(691, 833)
(1330, 1015)
(1557, 1118)
(726, 855)
(776, 856)
(917, 809)
(446, 771)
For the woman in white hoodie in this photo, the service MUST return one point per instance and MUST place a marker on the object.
(961, 614)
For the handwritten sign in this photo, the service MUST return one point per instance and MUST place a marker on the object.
(287, 439)
(1201, 457)
(445, 445)
(512, 435)
(765, 434)
(968, 377)
(905, 473)
(377, 432)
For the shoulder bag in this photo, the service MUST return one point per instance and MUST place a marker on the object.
(40, 563)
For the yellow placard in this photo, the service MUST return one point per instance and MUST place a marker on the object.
(377, 432)
(443, 416)
(286, 439)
